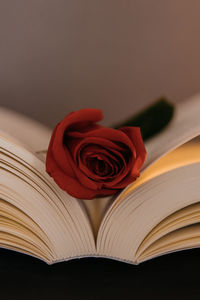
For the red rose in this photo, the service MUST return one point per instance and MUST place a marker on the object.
(88, 160)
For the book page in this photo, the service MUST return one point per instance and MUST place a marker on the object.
(180, 219)
(25, 184)
(35, 137)
(127, 224)
(180, 239)
(31, 133)
(186, 154)
(184, 126)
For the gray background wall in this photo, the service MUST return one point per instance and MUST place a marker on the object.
(118, 55)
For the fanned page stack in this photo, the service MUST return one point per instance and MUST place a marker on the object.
(157, 214)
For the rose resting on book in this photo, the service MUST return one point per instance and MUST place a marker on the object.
(87, 160)
(156, 213)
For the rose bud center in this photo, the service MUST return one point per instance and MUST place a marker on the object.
(98, 166)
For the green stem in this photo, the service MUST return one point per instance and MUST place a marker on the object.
(151, 120)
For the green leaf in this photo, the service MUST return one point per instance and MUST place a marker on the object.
(152, 119)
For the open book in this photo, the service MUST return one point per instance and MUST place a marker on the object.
(157, 214)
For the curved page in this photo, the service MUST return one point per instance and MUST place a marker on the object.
(26, 185)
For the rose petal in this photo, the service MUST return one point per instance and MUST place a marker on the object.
(67, 183)
(108, 153)
(64, 166)
(74, 187)
(108, 134)
(134, 133)
(78, 145)
(65, 163)
(92, 175)
(92, 115)
(104, 143)
(97, 149)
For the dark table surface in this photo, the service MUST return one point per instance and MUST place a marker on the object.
(173, 276)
